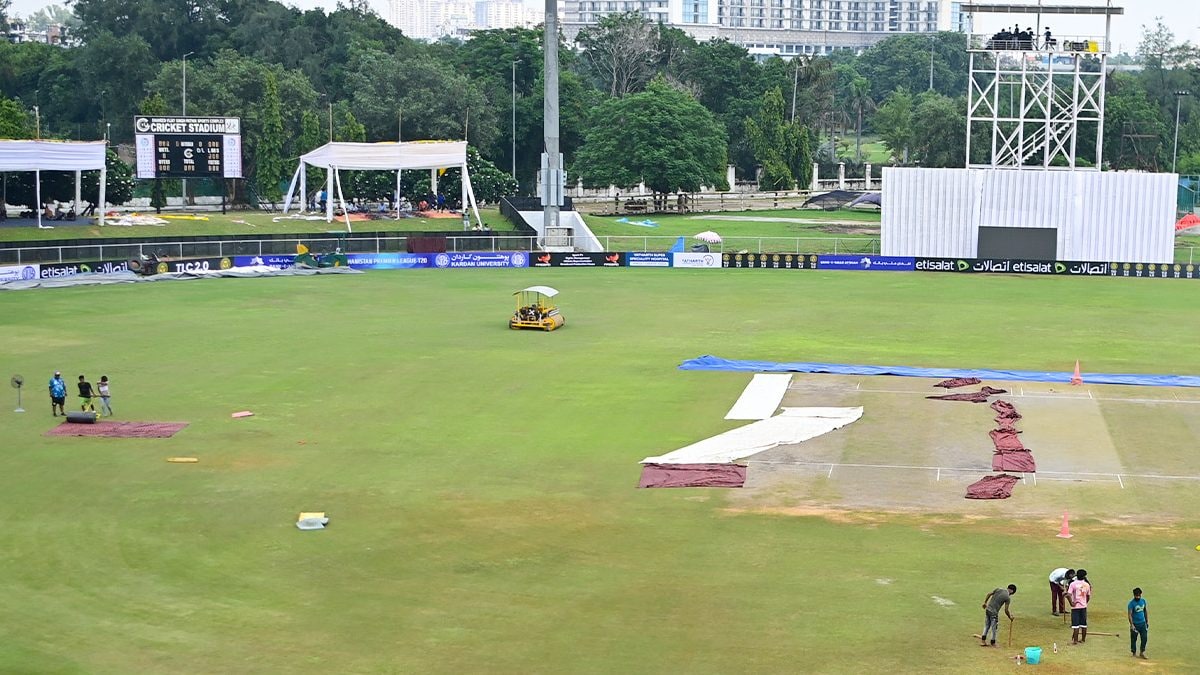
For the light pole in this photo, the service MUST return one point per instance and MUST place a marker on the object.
(514, 119)
(184, 84)
(932, 44)
(37, 116)
(1175, 152)
(183, 88)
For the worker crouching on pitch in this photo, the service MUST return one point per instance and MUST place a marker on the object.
(998, 598)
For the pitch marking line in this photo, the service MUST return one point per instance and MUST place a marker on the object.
(1045, 475)
(1011, 395)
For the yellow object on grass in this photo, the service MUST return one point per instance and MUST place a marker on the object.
(182, 460)
(183, 217)
(311, 514)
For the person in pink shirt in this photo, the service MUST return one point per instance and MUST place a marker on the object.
(1079, 593)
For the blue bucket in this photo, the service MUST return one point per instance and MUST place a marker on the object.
(1033, 655)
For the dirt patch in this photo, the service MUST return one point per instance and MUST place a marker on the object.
(850, 229)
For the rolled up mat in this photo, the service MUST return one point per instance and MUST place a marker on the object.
(82, 417)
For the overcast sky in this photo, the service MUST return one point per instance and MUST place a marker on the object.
(1180, 15)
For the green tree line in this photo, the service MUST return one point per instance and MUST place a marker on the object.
(655, 104)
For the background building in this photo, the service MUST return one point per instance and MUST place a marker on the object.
(782, 27)
(432, 19)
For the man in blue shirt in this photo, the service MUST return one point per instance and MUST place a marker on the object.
(1139, 623)
(58, 394)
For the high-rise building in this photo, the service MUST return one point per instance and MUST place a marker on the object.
(781, 27)
(432, 19)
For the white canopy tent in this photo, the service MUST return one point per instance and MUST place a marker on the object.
(387, 156)
(39, 156)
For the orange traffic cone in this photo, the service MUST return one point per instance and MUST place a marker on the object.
(1076, 379)
(1064, 532)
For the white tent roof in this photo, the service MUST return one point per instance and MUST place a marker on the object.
(51, 156)
(544, 290)
(388, 156)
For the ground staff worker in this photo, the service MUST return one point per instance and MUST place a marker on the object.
(991, 606)
(1059, 580)
(1139, 622)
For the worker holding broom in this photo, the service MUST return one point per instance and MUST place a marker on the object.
(1000, 597)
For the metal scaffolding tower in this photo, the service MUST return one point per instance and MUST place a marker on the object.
(1036, 100)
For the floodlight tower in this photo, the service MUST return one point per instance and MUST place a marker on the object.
(1036, 101)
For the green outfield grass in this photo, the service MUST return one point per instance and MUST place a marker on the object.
(480, 482)
(241, 222)
(792, 230)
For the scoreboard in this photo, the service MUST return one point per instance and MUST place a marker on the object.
(188, 147)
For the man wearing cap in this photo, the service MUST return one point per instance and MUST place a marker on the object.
(58, 394)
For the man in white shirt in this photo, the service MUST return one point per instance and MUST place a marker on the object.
(1060, 579)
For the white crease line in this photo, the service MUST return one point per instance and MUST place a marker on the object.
(939, 476)
(1046, 475)
(830, 474)
(1121, 481)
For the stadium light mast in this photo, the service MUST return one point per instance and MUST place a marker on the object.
(550, 175)
(183, 183)
(1175, 151)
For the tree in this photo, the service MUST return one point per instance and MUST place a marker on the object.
(772, 140)
(939, 130)
(620, 51)
(904, 60)
(269, 169)
(15, 122)
(660, 136)
(859, 99)
(894, 122)
(118, 186)
(801, 161)
(155, 105)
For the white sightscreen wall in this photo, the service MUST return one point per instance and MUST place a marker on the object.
(1100, 216)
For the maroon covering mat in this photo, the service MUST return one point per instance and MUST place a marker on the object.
(1005, 411)
(1014, 460)
(992, 487)
(692, 475)
(119, 429)
(958, 382)
(1006, 440)
(992, 392)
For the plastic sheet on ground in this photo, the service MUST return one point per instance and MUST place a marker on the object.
(956, 382)
(992, 487)
(692, 475)
(761, 397)
(709, 362)
(1020, 461)
(793, 425)
(109, 429)
(131, 278)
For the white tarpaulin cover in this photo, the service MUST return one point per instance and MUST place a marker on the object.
(51, 156)
(761, 397)
(793, 425)
(388, 156)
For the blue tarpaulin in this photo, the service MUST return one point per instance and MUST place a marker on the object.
(709, 362)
